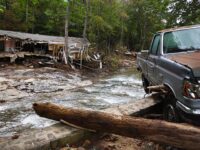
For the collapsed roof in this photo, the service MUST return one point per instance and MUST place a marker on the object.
(38, 38)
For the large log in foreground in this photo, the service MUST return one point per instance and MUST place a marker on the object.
(177, 135)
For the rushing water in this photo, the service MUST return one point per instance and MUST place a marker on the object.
(71, 90)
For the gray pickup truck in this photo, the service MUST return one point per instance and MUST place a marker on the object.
(173, 60)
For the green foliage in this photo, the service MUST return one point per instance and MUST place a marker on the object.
(144, 20)
(113, 62)
(184, 12)
(111, 23)
(77, 15)
(1, 9)
(54, 15)
(36, 16)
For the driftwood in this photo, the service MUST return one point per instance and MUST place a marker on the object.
(158, 88)
(177, 135)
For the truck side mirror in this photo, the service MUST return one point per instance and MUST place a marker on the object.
(145, 53)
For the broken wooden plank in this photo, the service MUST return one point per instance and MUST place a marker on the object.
(158, 88)
(178, 135)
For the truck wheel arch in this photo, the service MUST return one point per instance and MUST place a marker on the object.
(170, 106)
(170, 89)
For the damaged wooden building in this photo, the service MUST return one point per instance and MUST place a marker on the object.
(16, 42)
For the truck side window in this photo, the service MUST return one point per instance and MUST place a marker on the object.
(155, 45)
(170, 44)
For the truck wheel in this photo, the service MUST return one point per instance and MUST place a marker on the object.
(145, 84)
(170, 112)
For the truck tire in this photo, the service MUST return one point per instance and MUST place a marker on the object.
(170, 112)
(145, 84)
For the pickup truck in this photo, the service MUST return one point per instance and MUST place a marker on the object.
(173, 61)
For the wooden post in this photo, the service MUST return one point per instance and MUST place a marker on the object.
(177, 135)
(100, 65)
(81, 59)
(86, 20)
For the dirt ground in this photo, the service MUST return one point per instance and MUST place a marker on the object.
(113, 142)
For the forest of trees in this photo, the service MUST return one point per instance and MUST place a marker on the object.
(110, 23)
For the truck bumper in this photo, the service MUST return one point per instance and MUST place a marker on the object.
(188, 114)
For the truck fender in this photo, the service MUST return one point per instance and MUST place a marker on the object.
(170, 88)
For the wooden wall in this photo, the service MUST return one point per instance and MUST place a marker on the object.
(9, 44)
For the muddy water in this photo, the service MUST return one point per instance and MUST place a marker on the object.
(19, 88)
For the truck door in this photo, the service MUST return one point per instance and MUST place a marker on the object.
(151, 61)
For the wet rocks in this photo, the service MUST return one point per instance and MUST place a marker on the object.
(3, 87)
(20, 87)
(16, 136)
(21, 82)
(24, 86)
(12, 94)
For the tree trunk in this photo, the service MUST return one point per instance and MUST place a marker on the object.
(26, 11)
(85, 31)
(122, 35)
(177, 135)
(86, 20)
(66, 33)
(27, 5)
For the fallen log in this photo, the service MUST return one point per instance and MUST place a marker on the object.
(177, 135)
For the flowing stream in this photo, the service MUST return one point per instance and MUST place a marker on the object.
(20, 88)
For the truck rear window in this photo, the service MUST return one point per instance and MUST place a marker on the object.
(181, 41)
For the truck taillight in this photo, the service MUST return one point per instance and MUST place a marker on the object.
(191, 90)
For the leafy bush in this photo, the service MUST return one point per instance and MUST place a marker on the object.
(112, 62)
